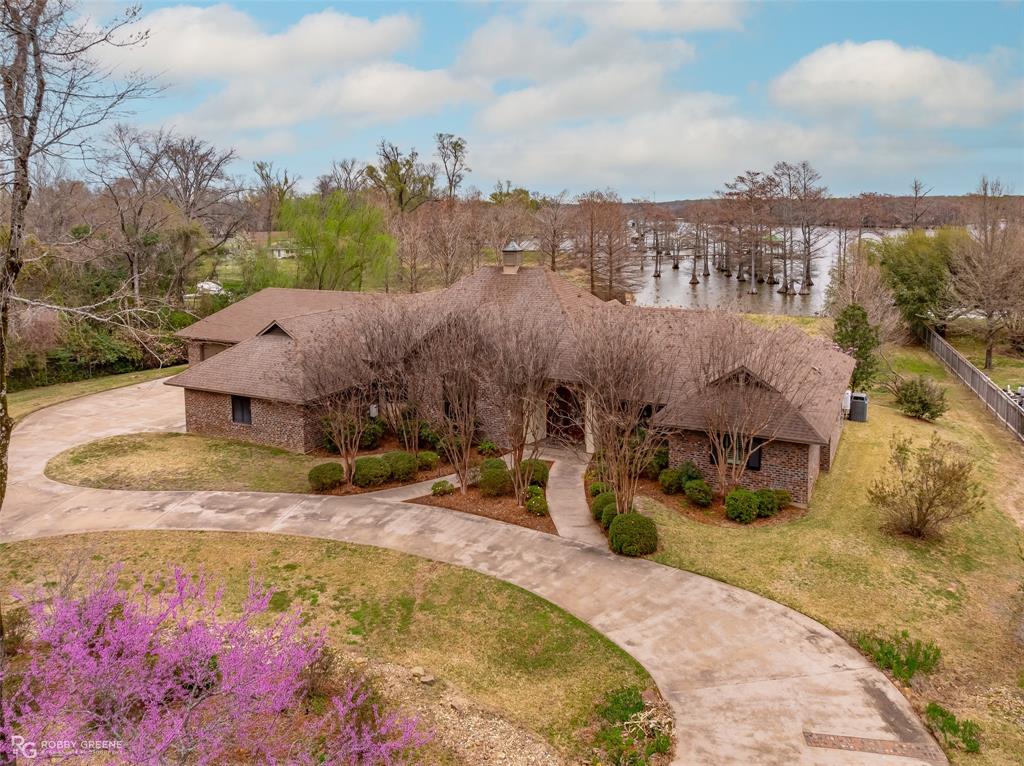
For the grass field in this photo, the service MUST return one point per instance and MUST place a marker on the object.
(503, 648)
(171, 461)
(965, 592)
(31, 399)
(1007, 365)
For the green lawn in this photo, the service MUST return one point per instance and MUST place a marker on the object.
(835, 565)
(172, 461)
(31, 399)
(501, 647)
(1007, 365)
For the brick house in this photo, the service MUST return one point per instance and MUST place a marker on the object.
(245, 382)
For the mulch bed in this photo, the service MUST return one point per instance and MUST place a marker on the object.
(714, 514)
(498, 508)
(442, 470)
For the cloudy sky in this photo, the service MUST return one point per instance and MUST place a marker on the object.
(656, 99)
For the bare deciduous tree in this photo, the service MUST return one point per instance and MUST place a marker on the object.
(862, 283)
(748, 383)
(54, 92)
(452, 151)
(273, 187)
(988, 267)
(519, 370)
(450, 358)
(552, 226)
(339, 385)
(625, 377)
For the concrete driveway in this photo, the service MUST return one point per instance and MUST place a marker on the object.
(749, 680)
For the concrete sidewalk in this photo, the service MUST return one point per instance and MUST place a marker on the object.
(749, 680)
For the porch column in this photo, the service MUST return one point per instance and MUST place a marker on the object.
(539, 422)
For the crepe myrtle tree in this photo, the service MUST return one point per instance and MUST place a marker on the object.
(451, 353)
(170, 679)
(519, 372)
(748, 382)
(339, 385)
(624, 376)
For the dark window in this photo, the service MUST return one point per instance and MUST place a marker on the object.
(733, 456)
(241, 410)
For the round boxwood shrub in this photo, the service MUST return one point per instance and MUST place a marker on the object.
(669, 481)
(767, 503)
(601, 502)
(442, 487)
(537, 470)
(370, 472)
(633, 534)
(608, 515)
(698, 492)
(537, 505)
(492, 462)
(401, 465)
(597, 488)
(534, 491)
(495, 481)
(326, 476)
(741, 505)
(427, 460)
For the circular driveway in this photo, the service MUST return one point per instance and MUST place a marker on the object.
(749, 680)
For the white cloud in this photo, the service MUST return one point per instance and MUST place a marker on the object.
(899, 86)
(691, 143)
(189, 43)
(651, 15)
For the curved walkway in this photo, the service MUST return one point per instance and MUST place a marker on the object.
(749, 680)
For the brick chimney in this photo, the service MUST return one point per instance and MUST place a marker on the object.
(511, 258)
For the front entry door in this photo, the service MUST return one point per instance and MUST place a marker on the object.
(565, 416)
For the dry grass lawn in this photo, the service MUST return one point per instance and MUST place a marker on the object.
(965, 592)
(28, 401)
(176, 461)
(503, 648)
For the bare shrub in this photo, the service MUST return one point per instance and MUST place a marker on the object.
(925, 489)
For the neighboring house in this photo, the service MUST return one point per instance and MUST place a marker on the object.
(245, 380)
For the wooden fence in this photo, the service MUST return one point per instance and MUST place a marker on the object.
(1003, 407)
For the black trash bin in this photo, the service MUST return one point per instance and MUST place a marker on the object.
(859, 408)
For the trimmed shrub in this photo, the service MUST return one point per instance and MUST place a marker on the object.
(427, 460)
(370, 472)
(401, 465)
(495, 480)
(673, 480)
(657, 464)
(493, 462)
(698, 492)
(442, 487)
(597, 488)
(601, 502)
(537, 505)
(767, 503)
(608, 514)
(487, 448)
(921, 398)
(741, 505)
(372, 435)
(633, 534)
(534, 491)
(537, 470)
(326, 476)
(782, 498)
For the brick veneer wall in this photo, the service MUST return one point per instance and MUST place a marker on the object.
(829, 455)
(273, 423)
(784, 465)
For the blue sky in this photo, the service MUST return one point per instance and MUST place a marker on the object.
(652, 99)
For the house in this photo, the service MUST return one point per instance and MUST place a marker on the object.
(245, 380)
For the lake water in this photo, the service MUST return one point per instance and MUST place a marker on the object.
(673, 288)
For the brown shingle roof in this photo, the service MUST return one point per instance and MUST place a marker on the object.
(268, 365)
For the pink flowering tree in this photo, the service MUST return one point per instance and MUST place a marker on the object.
(169, 680)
